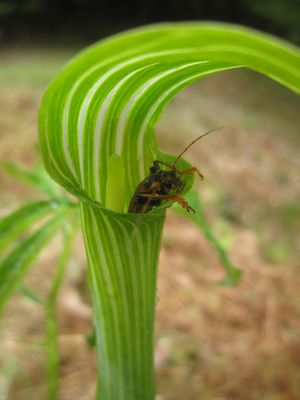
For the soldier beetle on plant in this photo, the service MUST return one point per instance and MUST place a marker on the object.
(163, 185)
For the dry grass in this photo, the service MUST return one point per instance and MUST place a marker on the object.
(212, 342)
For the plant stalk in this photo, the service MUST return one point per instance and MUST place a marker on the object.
(123, 251)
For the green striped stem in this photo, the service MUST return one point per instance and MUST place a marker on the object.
(103, 107)
(123, 253)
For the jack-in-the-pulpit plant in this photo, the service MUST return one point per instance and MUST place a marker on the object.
(96, 133)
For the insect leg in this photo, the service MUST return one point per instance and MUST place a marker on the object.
(190, 171)
(164, 163)
(173, 197)
(185, 171)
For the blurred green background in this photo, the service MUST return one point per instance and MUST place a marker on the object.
(212, 342)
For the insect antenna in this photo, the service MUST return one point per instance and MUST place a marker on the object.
(194, 141)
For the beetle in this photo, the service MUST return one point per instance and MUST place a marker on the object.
(162, 185)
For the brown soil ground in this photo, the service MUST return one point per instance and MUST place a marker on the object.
(212, 342)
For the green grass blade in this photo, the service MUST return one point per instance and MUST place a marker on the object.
(37, 178)
(233, 274)
(52, 350)
(29, 293)
(15, 265)
(13, 225)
